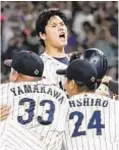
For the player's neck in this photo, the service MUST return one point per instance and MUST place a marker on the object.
(55, 52)
(25, 78)
(81, 92)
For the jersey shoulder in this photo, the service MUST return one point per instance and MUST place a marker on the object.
(57, 90)
(5, 89)
(94, 97)
(91, 95)
(9, 85)
(6, 86)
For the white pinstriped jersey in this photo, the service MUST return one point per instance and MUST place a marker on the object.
(50, 67)
(92, 123)
(15, 137)
(39, 108)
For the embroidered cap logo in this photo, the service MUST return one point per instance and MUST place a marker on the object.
(92, 79)
(36, 72)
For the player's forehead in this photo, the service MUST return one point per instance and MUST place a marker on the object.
(54, 20)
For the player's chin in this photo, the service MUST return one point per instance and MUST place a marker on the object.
(63, 43)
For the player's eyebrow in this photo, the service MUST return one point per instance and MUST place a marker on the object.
(62, 23)
(50, 23)
(56, 23)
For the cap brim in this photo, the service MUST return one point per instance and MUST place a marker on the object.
(62, 72)
(8, 62)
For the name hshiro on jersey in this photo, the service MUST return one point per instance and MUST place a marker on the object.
(86, 101)
(92, 123)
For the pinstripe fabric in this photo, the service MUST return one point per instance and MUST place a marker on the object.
(51, 134)
(50, 67)
(109, 115)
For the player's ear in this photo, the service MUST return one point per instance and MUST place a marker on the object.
(72, 85)
(42, 36)
(13, 76)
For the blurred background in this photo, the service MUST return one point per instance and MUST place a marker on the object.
(90, 24)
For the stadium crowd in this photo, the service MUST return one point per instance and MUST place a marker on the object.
(90, 24)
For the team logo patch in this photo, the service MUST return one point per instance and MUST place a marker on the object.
(92, 79)
(36, 72)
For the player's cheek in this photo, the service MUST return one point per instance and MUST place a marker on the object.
(53, 37)
(66, 31)
(65, 85)
(10, 77)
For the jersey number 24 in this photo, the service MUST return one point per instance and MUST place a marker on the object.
(94, 123)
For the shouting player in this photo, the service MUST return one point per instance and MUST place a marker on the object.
(52, 31)
(92, 122)
(37, 116)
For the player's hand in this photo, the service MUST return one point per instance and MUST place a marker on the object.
(4, 112)
(106, 79)
(116, 97)
(103, 90)
(74, 55)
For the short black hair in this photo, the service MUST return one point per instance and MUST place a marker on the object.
(43, 19)
(91, 87)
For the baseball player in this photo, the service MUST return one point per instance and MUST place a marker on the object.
(52, 31)
(38, 111)
(97, 58)
(92, 121)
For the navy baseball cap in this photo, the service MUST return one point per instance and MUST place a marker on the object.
(81, 71)
(27, 63)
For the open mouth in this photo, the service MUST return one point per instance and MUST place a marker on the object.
(62, 35)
